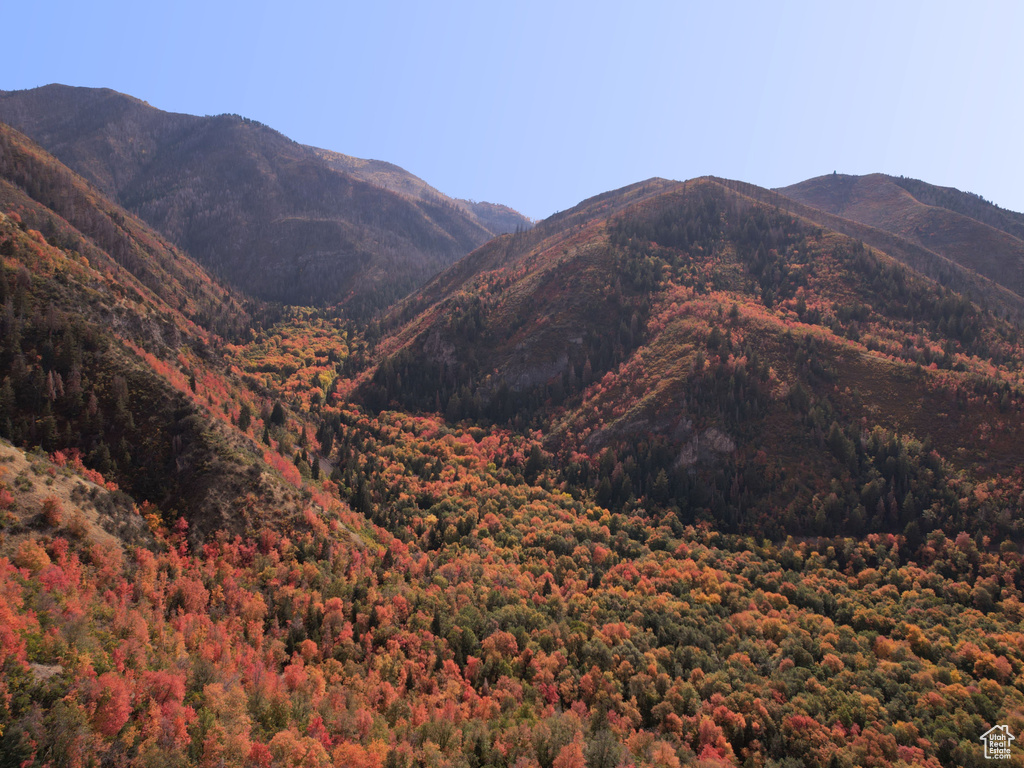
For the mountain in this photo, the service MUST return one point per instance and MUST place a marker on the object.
(279, 220)
(520, 307)
(957, 228)
(680, 476)
(673, 332)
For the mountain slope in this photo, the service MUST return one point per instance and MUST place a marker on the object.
(107, 354)
(942, 269)
(496, 219)
(561, 590)
(74, 216)
(277, 219)
(520, 306)
(711, 353)
(960, 227)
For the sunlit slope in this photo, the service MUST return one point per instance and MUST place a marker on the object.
(957, 226)
(748, 362)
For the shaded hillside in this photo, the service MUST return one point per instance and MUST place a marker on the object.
(562, 589)
(119, 377)
(268, 215)
(73, 216)
(496, 219)
(944, 270)
(492, 330)
(960, 227)
(720, 356)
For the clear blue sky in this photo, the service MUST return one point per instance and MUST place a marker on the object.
(539, 105)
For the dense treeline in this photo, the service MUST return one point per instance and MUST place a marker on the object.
(460, 388)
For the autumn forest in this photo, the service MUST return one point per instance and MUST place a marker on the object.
(304, 463)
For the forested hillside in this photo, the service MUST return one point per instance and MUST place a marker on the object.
(657, 348)
(678, 477)
(111, 349)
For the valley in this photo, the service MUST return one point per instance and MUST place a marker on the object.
(693, 473)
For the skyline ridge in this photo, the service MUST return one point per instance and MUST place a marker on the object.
(389, 162)
(484, 103)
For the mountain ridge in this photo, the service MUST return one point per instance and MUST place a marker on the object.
(991, 250)
(269, 215)
(499, 219)
(681, 314)
(677, 477)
